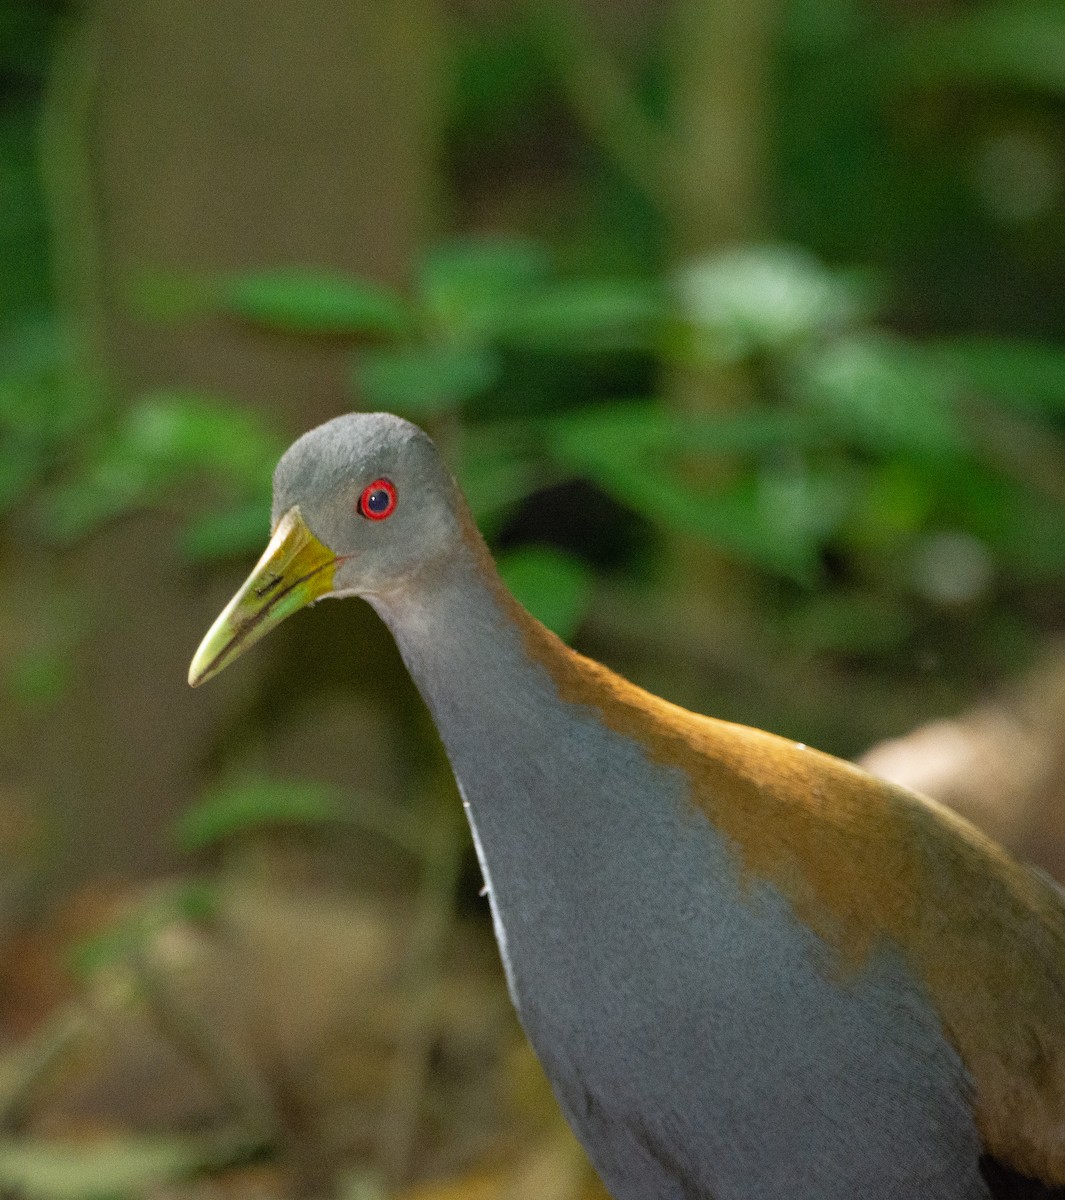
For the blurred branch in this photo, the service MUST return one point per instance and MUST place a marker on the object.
(71, 194)
(26, 1069)
(1029, 451)
(190, 1033)
(444, 840)
(706, 172)
(602, 98)
(722, 55)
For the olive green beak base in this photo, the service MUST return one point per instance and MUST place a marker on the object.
(295, 570)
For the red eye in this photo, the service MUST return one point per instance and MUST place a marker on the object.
(378, 500)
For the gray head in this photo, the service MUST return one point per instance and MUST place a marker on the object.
(362, 505)
(373, 489)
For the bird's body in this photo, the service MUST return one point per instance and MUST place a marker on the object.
(750, 969)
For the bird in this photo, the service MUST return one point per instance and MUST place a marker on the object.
(749, 968)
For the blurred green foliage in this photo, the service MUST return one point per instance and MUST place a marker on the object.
(863, 449)
(890, 465)
(45, 1169)
(1005, 44)
(130, 936)
(255, 804)
(26, 32)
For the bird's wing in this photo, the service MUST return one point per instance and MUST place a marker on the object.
(864, 863)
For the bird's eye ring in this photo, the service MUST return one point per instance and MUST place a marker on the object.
(378, 500)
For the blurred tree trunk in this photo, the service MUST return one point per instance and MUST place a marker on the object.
(722, 57)
(706, 174)
(722, 63)
(205, 137)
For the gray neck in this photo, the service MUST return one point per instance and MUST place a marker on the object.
(561, 807)
(490, 702)
(513, 744)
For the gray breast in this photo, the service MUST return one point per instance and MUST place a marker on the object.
(696, 1033)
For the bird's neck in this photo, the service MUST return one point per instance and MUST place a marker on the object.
(572, 816)
(524, 719)
(483, 665)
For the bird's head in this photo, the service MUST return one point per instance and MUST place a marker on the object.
(362, 505)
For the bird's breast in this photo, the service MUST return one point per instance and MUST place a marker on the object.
(685, 1012)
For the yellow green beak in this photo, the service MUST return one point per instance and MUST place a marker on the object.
(295, 570)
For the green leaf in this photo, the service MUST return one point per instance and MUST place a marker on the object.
(898, 498)
(751, 521)
(315, 302)
(555, 587)
(25, 38)
(166, 439)
(47, 410)
(775, 518)
(738, 521)
(175, 429)
(1011, 44)
(72, 510)
(255, 804)
(1022, 528)
(20, 467)
(38, 677)
(748, 519)
(33, 345)
(498, 82)
(588, 315)
(44, 1169)
(763, 299)
(882, 396)
(1026, 375)
(603, 433)
(468, 285)
(422, 380)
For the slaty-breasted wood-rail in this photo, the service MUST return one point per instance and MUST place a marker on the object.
(750, 970)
